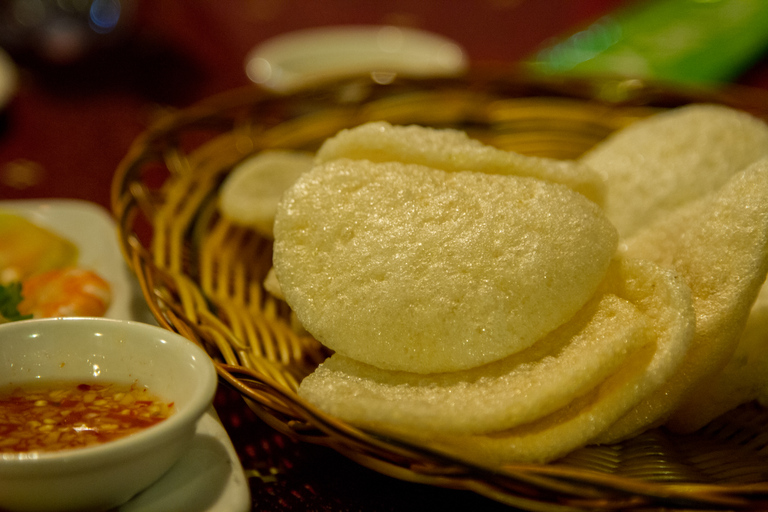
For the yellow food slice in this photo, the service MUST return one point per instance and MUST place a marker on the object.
(657, 164)
(415, 269)
(27, 249)
(719, 245)
(453, 151)
(518, 389)
(250, 193)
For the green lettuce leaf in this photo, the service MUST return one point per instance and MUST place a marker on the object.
(10, 297)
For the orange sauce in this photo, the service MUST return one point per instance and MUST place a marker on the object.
(62, 416)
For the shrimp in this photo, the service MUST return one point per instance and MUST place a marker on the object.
(67, 291)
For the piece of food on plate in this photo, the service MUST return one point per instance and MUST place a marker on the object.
(250, 193)
(467, 413)
(655, 165)
(454, 151)
(27, 249)
(411, 268)
(69, 291)
(40, 276)
(719, 246)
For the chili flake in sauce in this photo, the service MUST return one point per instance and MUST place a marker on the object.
(64, 416)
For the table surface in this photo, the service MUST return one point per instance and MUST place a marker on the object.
(68, 127)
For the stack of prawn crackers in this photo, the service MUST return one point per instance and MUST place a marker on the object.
(508, 308)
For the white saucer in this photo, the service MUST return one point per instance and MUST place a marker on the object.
(296, 59)
(209, 478)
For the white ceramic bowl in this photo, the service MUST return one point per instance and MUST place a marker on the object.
(92, 349)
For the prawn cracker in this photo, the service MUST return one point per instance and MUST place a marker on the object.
(657, 164)
(454, 151)
(709, 242)
(659, 295)
(250, 193)
(411, 268)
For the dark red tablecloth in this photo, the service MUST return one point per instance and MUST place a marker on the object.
(68, 127)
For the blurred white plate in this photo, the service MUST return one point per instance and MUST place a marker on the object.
(8, 78)
(296, 59)
(209, 478)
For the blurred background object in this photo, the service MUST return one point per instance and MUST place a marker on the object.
(62, 31)
(8, 78)
(297, 59)
(686, 41)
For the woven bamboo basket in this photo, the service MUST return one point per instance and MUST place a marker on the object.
(202, 276)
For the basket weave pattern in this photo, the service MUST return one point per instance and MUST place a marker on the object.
(202, 276)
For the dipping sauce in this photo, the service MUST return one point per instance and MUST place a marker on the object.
(62, 416)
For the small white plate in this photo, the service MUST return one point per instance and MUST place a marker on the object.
(209, 478)
(93, 231)
(296, 59)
